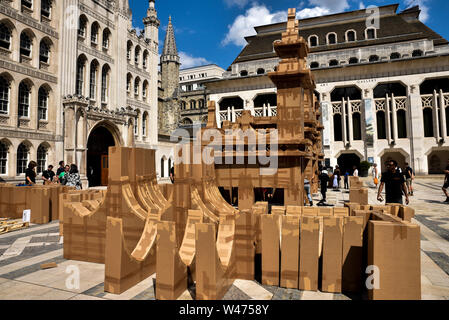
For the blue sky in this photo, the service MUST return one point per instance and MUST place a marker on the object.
(212, 31)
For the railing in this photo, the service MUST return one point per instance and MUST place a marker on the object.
(232, 114)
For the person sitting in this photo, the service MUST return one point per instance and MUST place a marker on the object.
(48, 175)
(74, 178)
(30, 174)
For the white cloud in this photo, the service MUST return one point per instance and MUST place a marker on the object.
(244, 24)
(188, 61)
(362, 6)
(312, 12)
(259, 14)
(422, 5)
(238, 3)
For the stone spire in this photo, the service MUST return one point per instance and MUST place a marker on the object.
(170, 53)
(151, 22)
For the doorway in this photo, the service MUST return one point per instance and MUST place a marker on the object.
(98, 145)
(347, 161)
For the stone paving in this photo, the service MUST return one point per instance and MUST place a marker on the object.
(22, 253)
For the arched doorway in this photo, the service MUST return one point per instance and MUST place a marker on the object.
(437, 161)
(397, 156)
(100, 139)
(347, 161)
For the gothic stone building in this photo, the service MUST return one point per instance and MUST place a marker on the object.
(75, 78)
(384, 89)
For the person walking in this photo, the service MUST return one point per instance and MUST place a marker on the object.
(324, 179)
(395, 187)
(375, 174)
(356, 172)
(307, 191)
(446, 183)
(409, 177)
(347, 180)
(337, 172)
(48, 175)
(30, 174)
(74, 178)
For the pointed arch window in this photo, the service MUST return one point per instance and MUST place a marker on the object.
(4, 96)
(94, 33)
(5, 37)
(144, 124)
(82, 27)
(24, 100)
(41, 159)
(3, 158)
(44, 52)
(22, 158)
(46, 8)
(42, 104)
(93, 81)
(25, 45)
(104, 84)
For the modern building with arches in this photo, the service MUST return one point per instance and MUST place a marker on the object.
(384, 91)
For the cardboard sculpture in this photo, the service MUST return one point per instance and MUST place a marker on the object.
(271, 234)
(290, 252)
(298, 149)
(43, 201)
(331, 279)
(309, 253)
(215, 262)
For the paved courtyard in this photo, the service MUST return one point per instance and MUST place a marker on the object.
(23, 252)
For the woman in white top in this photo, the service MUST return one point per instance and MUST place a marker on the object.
(356, 172)
(375, 173)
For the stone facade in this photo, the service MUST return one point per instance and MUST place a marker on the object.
(77, 87)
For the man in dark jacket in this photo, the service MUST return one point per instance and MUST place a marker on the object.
(324, 179)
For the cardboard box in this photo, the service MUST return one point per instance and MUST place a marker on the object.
(394, 248)
(325, 212)
(352, 206)
(310, 211)
(352, 259)
(278, 210)
(308, 253)
(270, 249)
(331, 278)
(290, 252)
(406, 213)
(341, 212)
(294, 210)
(359, 196)
(245, 250)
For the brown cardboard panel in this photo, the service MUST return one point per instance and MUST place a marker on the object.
(394, 248)
(331, 280)
(406, 213)
(245, 250)
(308, 253)
(310, 211)
(341, 212)
(290, 252)
(325, 212)
(278, 210)
(294, 210)
(270, 249)
(171, 280)
(352, 254)
(365, 214)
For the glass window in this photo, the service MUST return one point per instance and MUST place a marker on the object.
(22, 158)
(144, 125)
(332, 38)
(82, 27)
(25, 45)
(42, 104)
(333, 63)
(4, 96)
(356, 126)
(351, 36)
(46, 8)
(104, 85)
(93, 81)
(244, 73)
(80, 77)
(381, 125)
(402, 124)
(353, 61)
(24, 100)
(395, 55)
(371, 34)
(41, 159)
(5, 36)
(128, 84)
(3, 158)
(44, 52)
(136, 87)
(314, 65)
(137, 57)
(314, 41)
(428, 122)
(338, 130)
(94, 33)
(27, 3)
(373, 58)
(136, 125)
(106, 39)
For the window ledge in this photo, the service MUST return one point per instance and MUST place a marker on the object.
(44, 65)
(5, 51)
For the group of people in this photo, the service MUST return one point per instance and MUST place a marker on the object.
(65, 175)
(397, 182)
